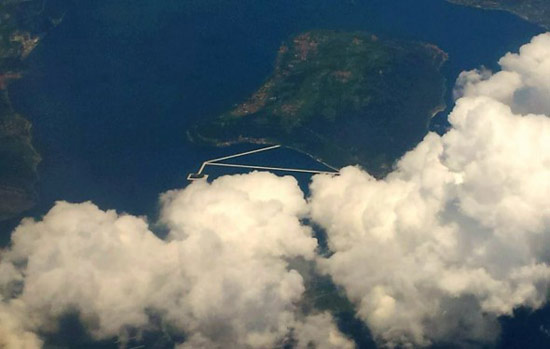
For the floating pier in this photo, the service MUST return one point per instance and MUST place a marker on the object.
(216, 162)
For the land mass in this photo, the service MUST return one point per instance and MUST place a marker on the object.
(536, 11)
(341, 97)
(22, 24)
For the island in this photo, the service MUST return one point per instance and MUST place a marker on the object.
(342, 97)
(22, 24)
(536, 11)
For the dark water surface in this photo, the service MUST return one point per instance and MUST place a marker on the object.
(112, 90)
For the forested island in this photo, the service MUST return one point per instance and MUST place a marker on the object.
(342, 97)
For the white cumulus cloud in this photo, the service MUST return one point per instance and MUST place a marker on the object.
(459, 233)
(221, 277)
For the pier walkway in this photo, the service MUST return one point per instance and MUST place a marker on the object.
(216, 162)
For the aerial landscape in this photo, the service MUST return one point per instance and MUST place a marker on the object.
(402, 203)
(537, 11)
(340, 97)
(23, 24)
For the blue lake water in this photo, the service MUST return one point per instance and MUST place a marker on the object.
(112, 90)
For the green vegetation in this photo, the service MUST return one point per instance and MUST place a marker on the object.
(536, 11)
(342, 97)
(22, 23)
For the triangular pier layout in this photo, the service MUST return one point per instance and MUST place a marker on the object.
(217, 162)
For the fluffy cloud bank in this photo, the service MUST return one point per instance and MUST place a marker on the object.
(221, 277)
(459, 233)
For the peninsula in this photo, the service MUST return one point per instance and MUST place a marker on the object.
(536, 11)
(342, 97)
